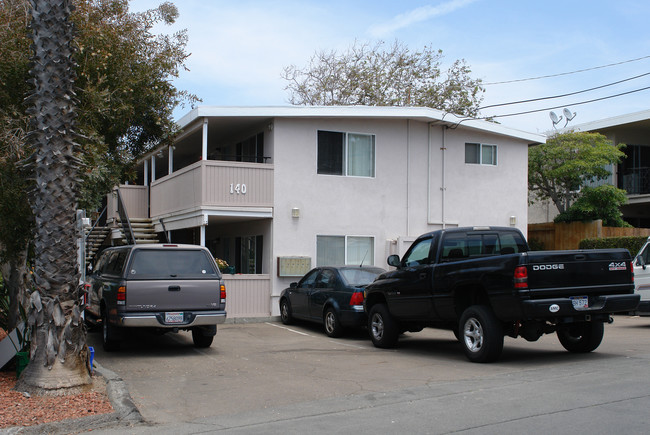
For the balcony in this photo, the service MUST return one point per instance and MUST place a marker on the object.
(635, 181)
(211, 184)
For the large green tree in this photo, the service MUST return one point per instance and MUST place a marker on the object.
(123, 107)
(381, 75)
(567, 162)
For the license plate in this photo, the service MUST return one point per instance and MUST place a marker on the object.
(174, 317)
(580, 302)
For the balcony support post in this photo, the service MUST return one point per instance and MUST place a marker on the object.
(204, 144)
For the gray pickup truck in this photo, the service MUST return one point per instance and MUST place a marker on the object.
(164, 287)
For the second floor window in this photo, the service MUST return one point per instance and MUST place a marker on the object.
(480, 154)
(350, 154)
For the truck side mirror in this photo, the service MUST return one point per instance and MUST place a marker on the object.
(393, 260)
(639, 260)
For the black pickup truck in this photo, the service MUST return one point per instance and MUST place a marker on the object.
(483, 283)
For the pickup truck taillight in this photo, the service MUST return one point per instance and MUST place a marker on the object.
(121, 295)
(222, 291)
(356, 299)
(521, 277)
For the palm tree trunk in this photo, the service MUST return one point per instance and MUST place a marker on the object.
(58, 354)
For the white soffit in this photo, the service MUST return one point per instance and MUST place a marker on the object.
(423, 114)
(614, 121)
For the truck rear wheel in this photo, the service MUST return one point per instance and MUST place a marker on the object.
(581, 337)
(383, 329)
(481, 334)
(109, 335)
(201, 339)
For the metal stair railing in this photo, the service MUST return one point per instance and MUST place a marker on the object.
(124, 220)
(164, 230)
(97, 220)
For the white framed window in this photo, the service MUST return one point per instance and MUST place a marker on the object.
(348, 154)
(340, 250)
(480, 154)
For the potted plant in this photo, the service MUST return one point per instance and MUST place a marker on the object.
(223, 266)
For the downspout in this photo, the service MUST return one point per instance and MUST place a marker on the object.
(430, 125)
(408, 170)
(443, 189)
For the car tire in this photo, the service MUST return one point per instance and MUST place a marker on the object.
(331, 323)
(110, 340)
(285, 312)
(200, 339)
(481, 334)
(383, 329)
(581, 337)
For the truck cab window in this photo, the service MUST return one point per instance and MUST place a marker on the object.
(419, 254)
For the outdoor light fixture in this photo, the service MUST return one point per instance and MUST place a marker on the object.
(513, 221)
(295, 212)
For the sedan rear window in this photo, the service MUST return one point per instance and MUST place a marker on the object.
(360, 277)
(173, 263)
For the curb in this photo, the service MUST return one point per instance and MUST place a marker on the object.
(247, 320)
(125, 413)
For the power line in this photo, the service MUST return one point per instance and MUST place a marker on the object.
(565, 95)
(572, 104)
(551, 108)
(566, 73)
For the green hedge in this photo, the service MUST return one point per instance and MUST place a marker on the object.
(631, 243)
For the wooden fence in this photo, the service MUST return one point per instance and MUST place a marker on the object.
(568, 235)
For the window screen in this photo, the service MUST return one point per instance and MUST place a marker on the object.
(330, 152)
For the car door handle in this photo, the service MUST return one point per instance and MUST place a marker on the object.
(174, 288)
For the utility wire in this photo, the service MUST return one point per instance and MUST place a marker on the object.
(566, 73)
(551, 108)
(565, 95)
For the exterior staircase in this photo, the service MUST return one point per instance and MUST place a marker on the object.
(143, 231)
(94, 241)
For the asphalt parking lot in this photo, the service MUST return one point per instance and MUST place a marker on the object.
(255, 373)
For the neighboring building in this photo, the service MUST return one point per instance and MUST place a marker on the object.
(632, 174)
(276, 190)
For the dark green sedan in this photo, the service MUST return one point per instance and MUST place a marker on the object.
(329, 295)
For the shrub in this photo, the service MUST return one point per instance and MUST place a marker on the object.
(535, 245)
(602, 202)
(631, 243)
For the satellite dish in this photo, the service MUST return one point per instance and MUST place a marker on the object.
(556, 119)
(568, 115)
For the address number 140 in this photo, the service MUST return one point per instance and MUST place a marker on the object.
(239, 189)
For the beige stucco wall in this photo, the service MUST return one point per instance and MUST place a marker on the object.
(404, 199)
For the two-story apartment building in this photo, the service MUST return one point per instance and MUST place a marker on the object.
(632, 174)
(276, 190)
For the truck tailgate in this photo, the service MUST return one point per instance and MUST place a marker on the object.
(173, 295)
(575, 273)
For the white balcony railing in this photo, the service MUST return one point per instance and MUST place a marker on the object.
(215, 184)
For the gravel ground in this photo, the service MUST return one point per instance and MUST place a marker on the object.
(18, 410)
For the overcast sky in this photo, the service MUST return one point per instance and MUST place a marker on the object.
(240, 47)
